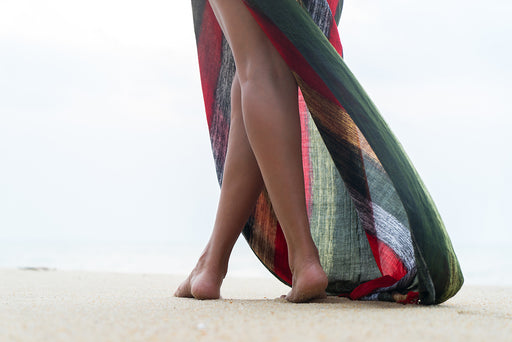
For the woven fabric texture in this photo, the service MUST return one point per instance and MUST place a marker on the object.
(376, 227)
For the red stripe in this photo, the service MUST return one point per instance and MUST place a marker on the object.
(333, 4)
(391, 264)
(209, 54)
(306, 161)
(281, 266)
(334, 38)
(374, 246)
(370, 286)
(388, 262)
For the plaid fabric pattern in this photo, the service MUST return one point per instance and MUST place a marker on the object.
(376, 227)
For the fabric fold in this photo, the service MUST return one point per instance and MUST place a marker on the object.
(376, 227)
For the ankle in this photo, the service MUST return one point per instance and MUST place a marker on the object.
(212, 264)
(303, 256)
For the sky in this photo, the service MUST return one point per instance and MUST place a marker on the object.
(103, 133)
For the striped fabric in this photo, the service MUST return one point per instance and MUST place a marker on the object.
(376, 227)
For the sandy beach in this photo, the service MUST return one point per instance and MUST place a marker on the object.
(48, 305)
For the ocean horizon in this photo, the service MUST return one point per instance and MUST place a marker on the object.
(487, 264)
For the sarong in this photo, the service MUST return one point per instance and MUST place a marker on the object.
(375, 225)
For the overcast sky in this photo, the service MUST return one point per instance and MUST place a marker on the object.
(103, 135)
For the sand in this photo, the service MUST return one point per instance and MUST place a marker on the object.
(49, 305)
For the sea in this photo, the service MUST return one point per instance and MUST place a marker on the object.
(483, 264)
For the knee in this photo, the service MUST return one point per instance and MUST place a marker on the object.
(264, 73)
(261, 79)
(267, 83)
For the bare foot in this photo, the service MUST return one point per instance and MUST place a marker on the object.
(202, 283)
(309, 282)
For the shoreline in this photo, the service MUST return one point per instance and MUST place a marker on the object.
(58, 305)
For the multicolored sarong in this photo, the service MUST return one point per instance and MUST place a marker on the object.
(376, 227)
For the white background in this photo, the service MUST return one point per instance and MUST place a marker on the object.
(103, 136)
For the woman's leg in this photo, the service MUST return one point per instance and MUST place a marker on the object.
(241, 186)
(271, 121)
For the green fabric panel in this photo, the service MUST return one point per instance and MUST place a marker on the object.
(337, 15)
(344, 250)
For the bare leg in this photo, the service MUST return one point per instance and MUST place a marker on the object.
(271, 121)
(241, 185)
(270, 112)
